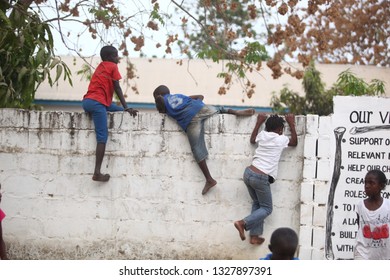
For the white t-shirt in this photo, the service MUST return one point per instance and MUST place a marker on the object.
(269, 149)
(372, 239)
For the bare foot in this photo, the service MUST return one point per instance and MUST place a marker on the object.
(256, 240)
(244, 113)
(101, 177)
(208, 186)
(240, 226)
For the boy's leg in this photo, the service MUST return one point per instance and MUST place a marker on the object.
(99, 117)
(114, 108)
(260, 192)
(256, 240)
(240, 226)
(256, 219)
(244, 113)
(210, 182)
(195, 134)
(97, 175)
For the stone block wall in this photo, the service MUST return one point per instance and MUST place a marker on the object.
(152, 207)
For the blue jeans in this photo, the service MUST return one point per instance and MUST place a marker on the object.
(195, 131)
(99, 116)
(260, 191)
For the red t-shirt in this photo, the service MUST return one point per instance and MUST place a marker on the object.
(2, 215)
(101, 87)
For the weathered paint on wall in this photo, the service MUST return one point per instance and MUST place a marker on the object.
(152, 207)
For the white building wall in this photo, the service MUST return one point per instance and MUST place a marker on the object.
(152, 207)
(199, 77)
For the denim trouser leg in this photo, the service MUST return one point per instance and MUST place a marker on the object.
(195, 132)
(260, 192)
(114, 108)
(99, 116)
(98, 112)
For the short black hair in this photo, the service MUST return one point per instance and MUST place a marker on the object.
(379, 175)
(274, 122)
(161, 90)
(107, 52)
(284, 242)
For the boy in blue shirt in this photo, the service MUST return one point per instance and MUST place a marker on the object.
(190, 113)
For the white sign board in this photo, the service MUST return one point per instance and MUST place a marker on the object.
(361, 142)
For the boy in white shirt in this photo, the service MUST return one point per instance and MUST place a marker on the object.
(263, 171)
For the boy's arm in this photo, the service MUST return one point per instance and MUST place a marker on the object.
(119, 93)
(260, 120)
(201, 97)
(290, 118)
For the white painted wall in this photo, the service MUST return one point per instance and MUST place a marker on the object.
(200, 77)
(152, 207)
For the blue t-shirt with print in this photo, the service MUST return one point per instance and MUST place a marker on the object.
(182, 108)
(269, 257)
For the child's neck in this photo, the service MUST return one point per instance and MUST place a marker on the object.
(373, 203)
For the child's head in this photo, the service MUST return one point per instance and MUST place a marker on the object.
(109, 53)
(275, 124)
(160, 90)
(284, 243)
(374, 182)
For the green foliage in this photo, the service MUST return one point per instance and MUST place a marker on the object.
(226, 35)
(287, 96)
(26, 57)
(155, 14)
(349, 84)
(100, 14)
(224, 32)
(221, 27)
(255, 53)
(85, 72)
(319, 101)
(208, 52)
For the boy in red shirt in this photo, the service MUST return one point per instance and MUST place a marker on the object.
(98, 100)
